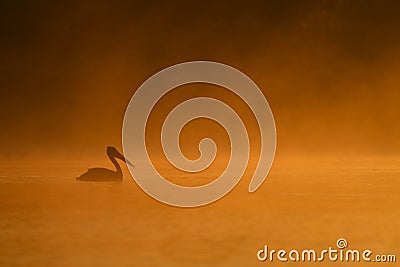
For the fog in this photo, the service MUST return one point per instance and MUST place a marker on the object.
(329, 70)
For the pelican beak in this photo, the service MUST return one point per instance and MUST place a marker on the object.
(121, 157)
(128, 162)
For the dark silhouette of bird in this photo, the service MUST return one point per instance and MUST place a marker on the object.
(103, 174)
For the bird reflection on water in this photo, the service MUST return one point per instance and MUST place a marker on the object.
(103, 174)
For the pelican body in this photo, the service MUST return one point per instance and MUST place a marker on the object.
(103, 174)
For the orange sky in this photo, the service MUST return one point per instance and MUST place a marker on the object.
(329, 70)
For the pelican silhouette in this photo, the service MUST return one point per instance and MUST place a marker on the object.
(103, 174)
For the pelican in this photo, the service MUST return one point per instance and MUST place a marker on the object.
(103, 174)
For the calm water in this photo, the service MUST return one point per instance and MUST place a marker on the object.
(57, 221)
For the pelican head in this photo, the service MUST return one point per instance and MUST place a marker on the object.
(112, 152)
